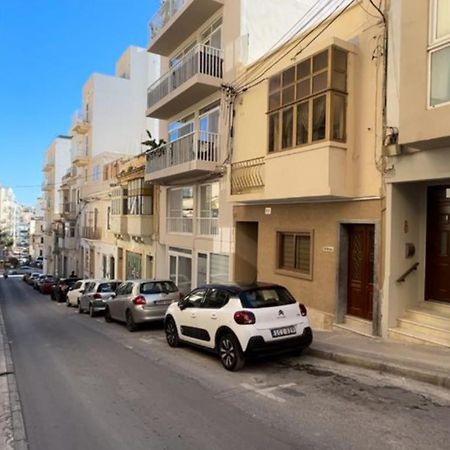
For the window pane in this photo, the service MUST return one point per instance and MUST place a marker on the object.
(304, 88)
(320, 82)
(339, 60)
(286, 138)
(274, 132)
(287, 251)
(302, 254)
(201, 269)
(320, 61)
(288, 95)
(442, 18)
(274, 83)
(302, 123)
(338, 130)
(289, 76)
(339, 81)
(304, 69)
(440, 76)
(319, 118)
(218, 268)
(274, 101)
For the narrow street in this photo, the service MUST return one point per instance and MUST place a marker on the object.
(87, 384)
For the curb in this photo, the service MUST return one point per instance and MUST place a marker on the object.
(423, 375)
(15, 407)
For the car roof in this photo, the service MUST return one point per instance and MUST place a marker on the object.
(108, 281)
(238, 287)
(149, 280)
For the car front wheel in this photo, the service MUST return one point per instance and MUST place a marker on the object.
(230, 352)
(171, 333)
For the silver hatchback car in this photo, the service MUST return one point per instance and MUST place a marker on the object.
(93, 300)
(139, 301)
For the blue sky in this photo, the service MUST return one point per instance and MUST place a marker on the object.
(48, 49)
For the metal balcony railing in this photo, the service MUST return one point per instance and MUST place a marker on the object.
(195, 146)
(167, 10)
(78, 153)
(207, 226)
(247, 176)
(202, 59)
(179, 224)
(79, 117)
(91, 233)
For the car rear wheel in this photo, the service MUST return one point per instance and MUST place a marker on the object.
(131, 325)
(108, 317)
(80, 309)
(230, 352)
(92, 311)
(171, 333)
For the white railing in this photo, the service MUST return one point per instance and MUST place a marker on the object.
(179, 224)
(167, 10)
(201, 59)
(195, 146)
(77, 153)
(79, 117)
(207, 226)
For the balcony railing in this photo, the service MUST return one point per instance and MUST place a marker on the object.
(168, 9)
(201, 59)
(79, 155)
(207, 226)
(91, 233)
(195, 146)
(80, 121)
(179, 224)
(247, 176)
(68, 208)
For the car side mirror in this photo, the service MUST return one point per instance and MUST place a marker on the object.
(182, 305)
(82, 291)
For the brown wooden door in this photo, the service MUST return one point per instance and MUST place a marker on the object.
(360, 270)
(437, 272)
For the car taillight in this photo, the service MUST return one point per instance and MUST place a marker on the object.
(244, 318)
(139, 300)
(303, 311)
(97, 295)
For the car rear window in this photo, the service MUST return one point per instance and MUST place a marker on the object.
(107, 287)
(266, 297)
(158, 287)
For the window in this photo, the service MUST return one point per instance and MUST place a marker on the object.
(295, 252)
(208, 210)
(119, 201)
(180, 209)
(212, 36)
(212, 268)
(307, 101)
(108, 218)
(96, 173)
(195, 299)
(133, 265)
(439, 53)
(215, 299)
(139, 201)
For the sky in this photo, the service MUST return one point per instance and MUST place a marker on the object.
(48, 49)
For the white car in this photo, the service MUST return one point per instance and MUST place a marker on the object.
(76, 291)
(237, 321)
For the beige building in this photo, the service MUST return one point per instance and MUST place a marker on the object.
(416, 301)
(306, 161)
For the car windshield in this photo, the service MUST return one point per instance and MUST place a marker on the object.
(266, 297)
(158, 287)
(108, 287)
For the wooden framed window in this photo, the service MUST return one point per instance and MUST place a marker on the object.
(307, 101)
(294, 253)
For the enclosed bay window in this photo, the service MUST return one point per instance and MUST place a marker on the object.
(118, 201)
(139, 201)
(439, 53)
(307, 101)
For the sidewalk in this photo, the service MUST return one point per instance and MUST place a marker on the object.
(421, 362)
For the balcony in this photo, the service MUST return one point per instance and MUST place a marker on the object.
(140, 226)
(189, 157)
(118, 225)
(68, 210)
(46, 186)
(49, 165)
(196, 76)
(91, 233)
(67, 243)
(80, 122)
(307, 173)
(176, 20)
(80, 157)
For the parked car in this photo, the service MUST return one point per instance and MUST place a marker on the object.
(38, 280)
(32, 278)
(21, 270)
(93, 300)
(61, 287)
(45, 284)
(237, 321)
(139, 301)
(75, 292)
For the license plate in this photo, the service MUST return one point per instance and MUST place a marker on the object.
(280, 332)
(163, 302)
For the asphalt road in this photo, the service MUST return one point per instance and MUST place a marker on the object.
(85, 384)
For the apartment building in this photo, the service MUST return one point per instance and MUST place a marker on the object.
(416, 304)
(57, 161)
(111, 125)
(37, 230)
(305, 177)
(202, 43)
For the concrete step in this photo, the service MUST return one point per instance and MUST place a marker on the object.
(435, 333)
(399, 334)
(428, 317)
(441, 309)
(356, 325)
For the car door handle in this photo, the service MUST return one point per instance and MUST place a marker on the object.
(213, 316)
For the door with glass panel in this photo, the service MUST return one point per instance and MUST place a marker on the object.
(208, 209)
(181, 271)
(208, 139)
(181, 141)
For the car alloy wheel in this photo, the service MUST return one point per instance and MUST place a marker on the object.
(230, 352)
(108, 317)
(171, 333)
(131, 325)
